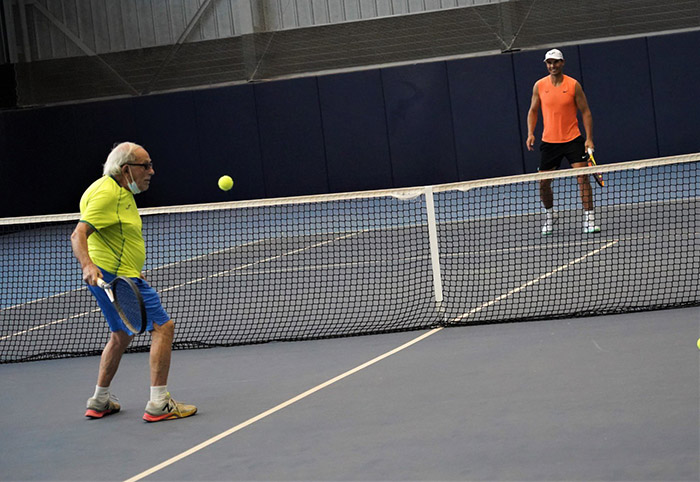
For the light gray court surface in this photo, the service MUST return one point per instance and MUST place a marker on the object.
(602, 398)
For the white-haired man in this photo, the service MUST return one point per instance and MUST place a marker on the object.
(108, 242)
(560, 97)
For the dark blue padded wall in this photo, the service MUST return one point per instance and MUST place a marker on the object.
(618, 87)
(485, 117)
(228, 143)
(291, 137)
(675, 74)
(98, 125)
(419, 119)
(41, 162)
(355, 132)
(166, 129)
(393, 127)
(6, 185)
(529, 67)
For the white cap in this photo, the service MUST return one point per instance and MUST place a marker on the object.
(554, 54)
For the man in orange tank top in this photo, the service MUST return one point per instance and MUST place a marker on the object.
(560, 97)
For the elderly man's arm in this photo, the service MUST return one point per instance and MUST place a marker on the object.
(78, 240)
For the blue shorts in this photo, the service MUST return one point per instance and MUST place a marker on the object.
(155, 313)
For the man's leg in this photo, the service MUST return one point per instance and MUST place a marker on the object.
(111, 356)
(550, 160)
(546, 194)
(161, 350)
(161, 406)
(584, 187)
(586, 192)
(103, 403)
(547, 198)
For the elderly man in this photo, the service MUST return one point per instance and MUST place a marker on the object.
(108, 243)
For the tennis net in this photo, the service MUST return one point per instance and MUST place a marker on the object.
(373, 262)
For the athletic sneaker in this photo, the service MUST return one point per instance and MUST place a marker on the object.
(100, 408)
(590, 228)
(547, 227)
(167, 409)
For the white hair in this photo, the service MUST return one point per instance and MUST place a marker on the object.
(120, 155)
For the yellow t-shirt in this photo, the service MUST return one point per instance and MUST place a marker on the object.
(117, 244)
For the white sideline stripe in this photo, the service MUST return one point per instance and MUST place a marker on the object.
(531, 282)
(243, 267)
(260, 261)
(634, 237)
(39, 327)
(375, 262)
(330, 382)
(38, 300)
(279, 407)
(201, 256)
(223, 273)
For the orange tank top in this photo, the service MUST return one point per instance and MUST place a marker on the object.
(558, 110)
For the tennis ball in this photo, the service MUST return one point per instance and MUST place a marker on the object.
(698, 343)
(225, 183)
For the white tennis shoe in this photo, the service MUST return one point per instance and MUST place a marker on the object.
(97, 408)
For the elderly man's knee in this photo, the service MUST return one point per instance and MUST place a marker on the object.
(121, 338)
(165, 330)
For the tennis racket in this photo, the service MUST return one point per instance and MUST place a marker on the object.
(596, 175)
(127, 300)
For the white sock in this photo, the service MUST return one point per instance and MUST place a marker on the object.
(101, 393)
(589, 217)
(550, 214)
(159, 393)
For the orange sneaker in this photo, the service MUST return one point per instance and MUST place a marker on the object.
(98, 408)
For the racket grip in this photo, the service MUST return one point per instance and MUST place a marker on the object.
(590, 151)
(108, 289)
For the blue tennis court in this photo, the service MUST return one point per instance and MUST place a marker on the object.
(601, 398)
(599, 380)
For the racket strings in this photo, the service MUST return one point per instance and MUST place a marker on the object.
(130, 304)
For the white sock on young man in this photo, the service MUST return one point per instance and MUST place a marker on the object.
(589, 218)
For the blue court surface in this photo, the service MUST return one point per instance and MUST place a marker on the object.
(607, 398)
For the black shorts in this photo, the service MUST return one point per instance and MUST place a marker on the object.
(552, 154)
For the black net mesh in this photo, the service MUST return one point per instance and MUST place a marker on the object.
(362, 263)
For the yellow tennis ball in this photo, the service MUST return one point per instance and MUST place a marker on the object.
(225, 183)
(698, 343)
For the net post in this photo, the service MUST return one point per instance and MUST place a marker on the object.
(434, 249)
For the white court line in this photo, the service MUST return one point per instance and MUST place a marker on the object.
(279, 407)
(205, 255)
(634, 237)
(531, 282)
(409, 259)
(223, 273)
(38, 300)
(45, 325)
(330, 382)
(260, 261)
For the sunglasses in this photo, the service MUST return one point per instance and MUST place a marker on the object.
(147, 165)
